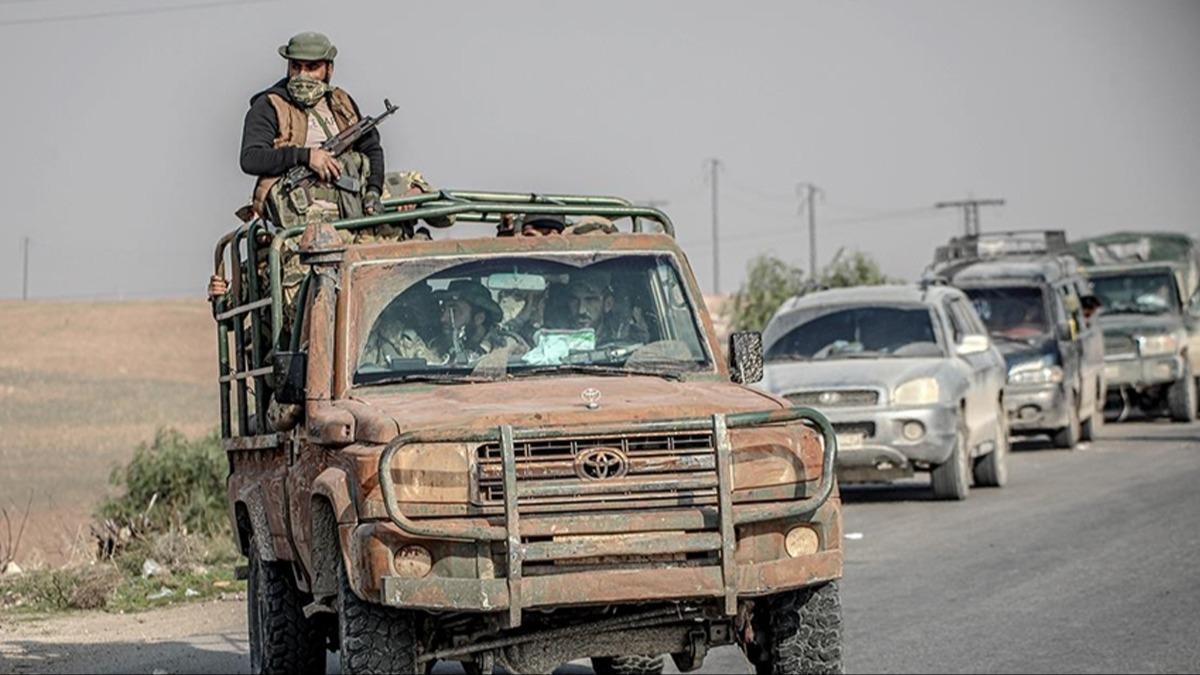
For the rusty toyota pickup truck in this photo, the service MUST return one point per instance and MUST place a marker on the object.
(513, 451)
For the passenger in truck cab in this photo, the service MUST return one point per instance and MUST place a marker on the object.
(591, 303)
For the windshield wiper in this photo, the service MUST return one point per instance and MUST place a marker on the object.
(434, 378)
(590, 369)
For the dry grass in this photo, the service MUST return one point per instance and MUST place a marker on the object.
(82, 384)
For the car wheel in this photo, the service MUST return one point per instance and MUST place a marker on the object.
(1068, 436)
(952, 479)
(627, 665)
(373, 638)
(991, 470)
(281, 639)
(1181, 398)
(801, 632)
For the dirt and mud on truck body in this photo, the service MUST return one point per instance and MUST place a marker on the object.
(516, 451)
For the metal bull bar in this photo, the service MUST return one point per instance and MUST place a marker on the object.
(510, 532)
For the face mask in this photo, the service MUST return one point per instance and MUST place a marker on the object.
(306, 91)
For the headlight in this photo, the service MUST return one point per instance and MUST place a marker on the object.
(1035, 373)
(1157, 345)
(917, 392)
(436, 473)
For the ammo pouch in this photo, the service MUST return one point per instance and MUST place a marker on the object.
(319, 199)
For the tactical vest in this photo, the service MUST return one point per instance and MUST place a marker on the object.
(293, 132)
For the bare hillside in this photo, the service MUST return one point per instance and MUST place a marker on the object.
(81, 385)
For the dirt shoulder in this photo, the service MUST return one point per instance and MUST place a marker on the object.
(199, 637)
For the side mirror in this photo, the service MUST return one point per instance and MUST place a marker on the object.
(290, 369)
(746, 357)
(972, 344)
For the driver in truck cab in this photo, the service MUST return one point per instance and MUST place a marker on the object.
(591, 303)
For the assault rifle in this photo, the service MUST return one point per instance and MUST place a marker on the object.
(302, 175)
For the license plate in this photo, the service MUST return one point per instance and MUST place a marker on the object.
(851, 440)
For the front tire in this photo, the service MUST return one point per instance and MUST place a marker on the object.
(801, 632)
(952, 479)
(281, 639)
(1181, 398)
(373, 638)
(627, 665)
(991, 470)
(1068, 437)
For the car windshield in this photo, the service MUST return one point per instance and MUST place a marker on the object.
(860, 332)
(1017, 313)
(1136, 293)
(491, 317)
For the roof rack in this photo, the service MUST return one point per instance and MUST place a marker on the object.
(1003, 244)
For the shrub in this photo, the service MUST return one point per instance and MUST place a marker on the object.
(857, 269)
(769, 281)
(172, 484)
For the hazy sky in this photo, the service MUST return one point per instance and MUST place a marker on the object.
(121, 133)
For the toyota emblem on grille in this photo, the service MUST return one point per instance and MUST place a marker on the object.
(601, 464)
(829, 397)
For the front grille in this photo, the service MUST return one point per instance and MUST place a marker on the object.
(867, 429)
(659, 470)
(1119, 344)
(835, 398)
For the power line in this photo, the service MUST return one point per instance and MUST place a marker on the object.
(129, 12)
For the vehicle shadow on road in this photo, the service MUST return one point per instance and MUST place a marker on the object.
(872, 493)
(33, 656)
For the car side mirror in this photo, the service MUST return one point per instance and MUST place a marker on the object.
(290, 369)
(746, 357)
(972, 344)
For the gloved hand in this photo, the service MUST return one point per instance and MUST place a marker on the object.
(372, 203)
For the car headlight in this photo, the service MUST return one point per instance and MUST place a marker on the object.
(1157, 345)
(436, 473)
(920, 391)
(1035, 373)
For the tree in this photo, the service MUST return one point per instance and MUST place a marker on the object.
(856, 269)
(769, 282)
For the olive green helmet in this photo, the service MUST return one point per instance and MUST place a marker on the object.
(308, 47)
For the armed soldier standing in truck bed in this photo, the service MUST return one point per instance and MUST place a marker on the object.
(285, 127)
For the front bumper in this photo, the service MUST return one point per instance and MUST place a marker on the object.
(1036, 408)
(1143, 371)
(872, 444)
(710, 540)
(460, 581)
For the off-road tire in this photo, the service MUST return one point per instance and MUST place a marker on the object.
(801, 632)
(373, 638)
(1181, 398)
(1068, 437)
(952, 479)
(281, 639)
(627, 665)
(991, 470)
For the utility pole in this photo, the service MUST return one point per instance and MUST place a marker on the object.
(970, 209)
(714, 166)
(808, 194)
(24, 268)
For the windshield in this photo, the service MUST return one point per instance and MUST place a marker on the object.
(1136, 293)
(1017, 312)
(494, 317)
(860, 332)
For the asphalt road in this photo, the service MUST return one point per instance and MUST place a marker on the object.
(1086, 562)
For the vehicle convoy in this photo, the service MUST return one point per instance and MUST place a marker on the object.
(515, 451)
(1032, 296)
(1148, 284)
(906, 374)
